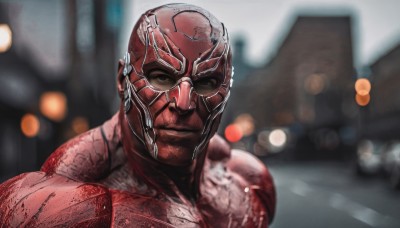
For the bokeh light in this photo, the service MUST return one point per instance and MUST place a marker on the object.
(30, 125)
(314, 84)
(246, 123)
(362, 100)
(233, 133)
(362, 86)
(277, 138)
(80, 125)
(5, 37)
(53, 105)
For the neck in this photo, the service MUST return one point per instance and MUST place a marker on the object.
(179, 181)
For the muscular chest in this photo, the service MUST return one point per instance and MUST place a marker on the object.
(224, 202)
(131, 210)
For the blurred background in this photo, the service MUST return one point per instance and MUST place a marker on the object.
(315, 94)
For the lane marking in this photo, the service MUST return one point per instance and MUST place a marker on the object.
(339, 202)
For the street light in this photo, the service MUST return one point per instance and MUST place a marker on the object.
(30, 125)
(362, 100)
(53, 105)
(5, 37)
(362, 86)
(363, 89)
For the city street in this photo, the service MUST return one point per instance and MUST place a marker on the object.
(326, 194)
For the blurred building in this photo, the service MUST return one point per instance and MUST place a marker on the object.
(241, 66)
(20, 87)
(57, 78)
(91, 82)
(381, 116)
(241, 70)
(307, 87)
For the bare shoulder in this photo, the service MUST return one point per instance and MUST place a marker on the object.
(248, 167)
(87, 156)
(39, 200)
(238, 161)
(257, 175)
(218, 149)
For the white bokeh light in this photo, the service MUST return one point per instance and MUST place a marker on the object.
(277, 138)
(5, 37)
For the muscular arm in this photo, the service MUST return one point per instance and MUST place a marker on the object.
(257, 175)
(40, 200)
(251, 169)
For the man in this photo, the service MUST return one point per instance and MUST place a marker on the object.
(157, 162)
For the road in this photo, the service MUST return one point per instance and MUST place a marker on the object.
(328, 194)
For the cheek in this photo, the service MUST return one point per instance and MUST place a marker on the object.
(210, 103)
(134, 120)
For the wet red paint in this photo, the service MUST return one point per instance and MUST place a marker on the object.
(108, 177)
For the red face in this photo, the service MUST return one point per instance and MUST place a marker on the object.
(177, 82)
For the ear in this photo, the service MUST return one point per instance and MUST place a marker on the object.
(120, 78)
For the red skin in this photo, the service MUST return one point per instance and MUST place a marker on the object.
(111, 176)
(76, 187)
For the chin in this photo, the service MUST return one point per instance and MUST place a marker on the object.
(175, 155)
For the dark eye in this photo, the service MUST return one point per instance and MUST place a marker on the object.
(161, 80)
(206, 85)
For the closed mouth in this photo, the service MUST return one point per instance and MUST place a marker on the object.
(178, 129)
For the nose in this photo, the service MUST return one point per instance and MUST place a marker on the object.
(183, 103)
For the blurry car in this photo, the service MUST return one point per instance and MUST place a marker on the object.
(395, 176)
(391, 163)
(369, 153)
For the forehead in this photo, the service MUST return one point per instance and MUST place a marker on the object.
(192, 29)
(184, 38)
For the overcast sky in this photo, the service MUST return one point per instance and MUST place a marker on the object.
(264, 23)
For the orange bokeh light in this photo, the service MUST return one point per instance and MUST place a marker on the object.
(233, 133)
(246, 124)
(30, 125)
(362, 86)
(53, 105)
(80, 125)
(362, 100)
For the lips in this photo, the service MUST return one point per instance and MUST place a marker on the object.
(178, 128)
(176, 132)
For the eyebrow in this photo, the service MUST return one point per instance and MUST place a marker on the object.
(210, 56)
(169, 52)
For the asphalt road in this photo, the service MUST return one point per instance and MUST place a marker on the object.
(326, 194)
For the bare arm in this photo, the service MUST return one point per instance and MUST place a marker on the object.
(40, 200)
(257, 175)
(250, 169)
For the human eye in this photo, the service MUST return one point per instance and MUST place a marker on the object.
(206, 85)
(160, 80)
